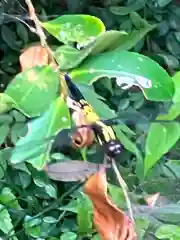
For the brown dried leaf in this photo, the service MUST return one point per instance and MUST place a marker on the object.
(33, 56)
(152, 199)
(110, 222)
(72, 170)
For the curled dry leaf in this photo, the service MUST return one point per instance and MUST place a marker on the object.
(84, 136)
(33, 56)
(152, 199)
(72, 170)
(110, 222)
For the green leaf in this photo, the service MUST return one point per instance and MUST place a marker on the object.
(10, 38)
(172, 114)
(166, 60)
(33, 90)
(4, 130)
(84, 215)
(5, 222)
(4, 157)
(176, 80)
(117, 196)
(161, 137)
(18, 130)
(129, 41)
(6, 103)
(33, 147)
(129, 68)
(22, 32)
(138, 21)
(8, 199)
(102, 109)
(173, 45)
(51, 191)
(168, 231)
(23, 179)
(69, 236)
(19, 117)
(135, 6)
(75, 28)
(69, 57)
(129, 145)
(163, 3)
(5, 118)
(32, 226)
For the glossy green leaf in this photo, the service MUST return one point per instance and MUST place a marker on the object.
(33, 147)
(135, 6)
(69, 236)
(168, 231)
(75, 28)
(8, 199)
(161, 137)
(4, 130)
(176, 80)
(6, 103)
(51, 191)
(69, 57)
(129, 68)
(5, 222)
(117, 196)
(33, 226)
(33, 90)
(172, 114)
(84, 215)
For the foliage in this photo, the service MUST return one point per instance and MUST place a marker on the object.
(33, 111)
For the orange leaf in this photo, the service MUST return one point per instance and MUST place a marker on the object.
(33, 56)
(110, 222)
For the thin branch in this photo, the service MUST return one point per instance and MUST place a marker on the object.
(43, 40)
(124, 189)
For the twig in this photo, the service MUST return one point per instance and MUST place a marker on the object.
(42, 36)
(124, 189)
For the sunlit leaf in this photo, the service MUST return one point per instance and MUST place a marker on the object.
(33, 90)
(161, 137)
(171, 232)
(84, 214)
(54, 119)
(176, 80)
(69, 57)
(128, 68)
(6, 103)
(5, 222)
(8, 198)
(75, 28)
